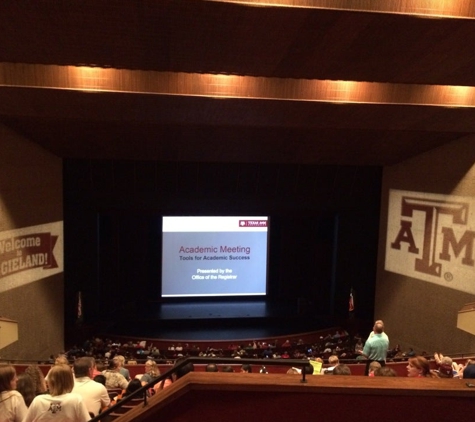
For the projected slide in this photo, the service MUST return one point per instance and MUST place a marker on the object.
(214, 256)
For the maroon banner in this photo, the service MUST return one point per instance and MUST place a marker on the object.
(21, 253)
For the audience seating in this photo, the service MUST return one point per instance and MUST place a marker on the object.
(114, 392)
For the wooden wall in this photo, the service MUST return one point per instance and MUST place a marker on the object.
(31, 195)
(417, 313)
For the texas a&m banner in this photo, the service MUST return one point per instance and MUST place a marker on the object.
(431, 237)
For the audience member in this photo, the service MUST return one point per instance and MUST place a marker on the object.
(373, 366)
(133, 386)
(446, 366)
(61, 359)
(211, 367)
(151, 372)
(445, 371)
(155, 352)
(469, 370)
(333, 361)
(308, 369)
(376, 347)
(378, 323)
(26, 387)
(227, 368)
(182, 371)
(246, 368)
(95, 370)
(100, 367)
(35, 373)
(113, 378)
(94, 394)
(162, 384)
(60, 404)
(419, 367)
(317, 366)
(385, 371)
(12, 404)
(342, 369)
(120, 361)
(286, 343)
(359, 346)
(101, 379)
(395, 352)
(267, 353)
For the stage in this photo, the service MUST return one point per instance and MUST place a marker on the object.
(223, 320)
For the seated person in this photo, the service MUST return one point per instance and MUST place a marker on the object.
(211, 367)
(120, 361)
(286, 343)
(94, 394)
(469, 370)
(61, 359)
(60, 403)
(34, 372)
(308, 369)
(12, 404)
(373, 366)
(419, 367)
(342, 370)
(247, 368)
(334, 362)
(181, 372)
(151, 372)
(101, 379)
(385, 371)
(133, 386)
(114, 379)
(26, 388)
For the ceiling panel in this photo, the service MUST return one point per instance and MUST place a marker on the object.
(280, 44)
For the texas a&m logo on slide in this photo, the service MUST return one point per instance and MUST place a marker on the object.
(431, 237)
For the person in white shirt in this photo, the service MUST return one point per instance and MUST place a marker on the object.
(60, 404)
(12, 404)
(59, 360)
(94, 394)
(334, 361)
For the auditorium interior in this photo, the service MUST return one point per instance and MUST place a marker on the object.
(314, 113)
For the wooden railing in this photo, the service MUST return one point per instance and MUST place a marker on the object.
(114, 412)
(282, 397)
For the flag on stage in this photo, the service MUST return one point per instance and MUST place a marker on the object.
(79, 309)
(351, 307)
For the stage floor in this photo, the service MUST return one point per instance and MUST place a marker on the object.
(245, 320)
